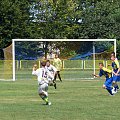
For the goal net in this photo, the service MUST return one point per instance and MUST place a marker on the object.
(79, 57)
(6, 65)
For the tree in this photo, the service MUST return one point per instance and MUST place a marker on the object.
(57, 19)
(99, 20)
(74, 19)
(14, 21)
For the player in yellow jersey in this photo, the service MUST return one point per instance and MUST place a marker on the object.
(108, 75)
(116, 72)
(58, 65)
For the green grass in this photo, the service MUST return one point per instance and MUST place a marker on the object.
(70, 74)
(72, 100)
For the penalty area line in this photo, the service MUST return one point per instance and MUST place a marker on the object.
(4, 80)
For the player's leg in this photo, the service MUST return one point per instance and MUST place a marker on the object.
(118, 81)
(107, 85)
(115, 85)
(58, 72)
(43, 92)
(109, 89)
(55, 77)
(52, 83)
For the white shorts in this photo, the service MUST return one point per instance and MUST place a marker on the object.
(43, 88)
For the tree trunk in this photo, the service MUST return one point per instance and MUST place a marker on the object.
(46, 48)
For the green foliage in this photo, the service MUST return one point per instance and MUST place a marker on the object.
(53, 19)
(15, 21)
(26, 50)
(65, 54)
(99, 19)
(104, 45)
(118, 49)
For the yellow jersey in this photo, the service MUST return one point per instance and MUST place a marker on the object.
(57, 63)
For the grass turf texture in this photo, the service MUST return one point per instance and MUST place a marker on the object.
(72, 100)
(71, 74)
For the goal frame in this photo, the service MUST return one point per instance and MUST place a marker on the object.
(82, 40)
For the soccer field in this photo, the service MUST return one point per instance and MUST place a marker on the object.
(72, 100)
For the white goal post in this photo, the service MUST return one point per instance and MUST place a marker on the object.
(81, 40)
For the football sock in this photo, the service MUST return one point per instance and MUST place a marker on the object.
(116, 87)
(45, 98)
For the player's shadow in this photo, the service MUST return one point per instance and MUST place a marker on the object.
(43, 104)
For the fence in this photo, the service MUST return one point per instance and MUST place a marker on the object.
(72, 69)
(66, 64)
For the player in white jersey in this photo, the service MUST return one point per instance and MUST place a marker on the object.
(42, 74)
(53, 72)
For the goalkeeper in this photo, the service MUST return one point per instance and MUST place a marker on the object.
(58, 65)
(42, 74)
(108, 75)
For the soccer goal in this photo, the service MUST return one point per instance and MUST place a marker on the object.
(80, 57)
(80, 65)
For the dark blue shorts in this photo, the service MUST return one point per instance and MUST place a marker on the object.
(108, 82)
(116, 78)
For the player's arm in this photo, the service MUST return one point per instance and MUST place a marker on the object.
(118, 66)
(97, 76)
(34, 71)
(54, 69)
(113, 72)
(118, 72)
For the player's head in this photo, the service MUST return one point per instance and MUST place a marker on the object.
(35, 66)
(101, 65)
(113, 56)
(56, 56)
(48, 63)
(43, 63)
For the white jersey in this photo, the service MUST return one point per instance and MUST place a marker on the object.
(42, 74)
(52, 69)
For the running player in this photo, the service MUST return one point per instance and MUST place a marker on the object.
(42, 74)
(108, 75)
(53, 72)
